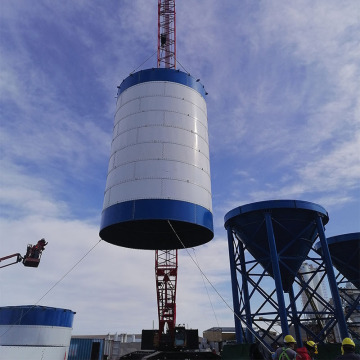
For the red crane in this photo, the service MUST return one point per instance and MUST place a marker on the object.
(166, 261)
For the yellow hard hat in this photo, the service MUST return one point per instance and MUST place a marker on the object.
(289, 339)
(348, 341)
(312, 345)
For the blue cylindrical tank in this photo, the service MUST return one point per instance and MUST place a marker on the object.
(158, 187)
(345, 255)
(35, 332)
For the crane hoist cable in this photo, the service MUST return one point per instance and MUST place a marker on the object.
(217, 292)
(51, 288)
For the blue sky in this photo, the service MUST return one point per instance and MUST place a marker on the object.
(284, 116)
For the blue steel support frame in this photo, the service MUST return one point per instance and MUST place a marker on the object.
(326, 317)
(277, 275)
(234, 285)
(316, 317)
(249, 335)
(242, 304)
(332, 280)
(353, 306)
(295, 317)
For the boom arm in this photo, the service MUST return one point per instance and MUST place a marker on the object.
(18, 259)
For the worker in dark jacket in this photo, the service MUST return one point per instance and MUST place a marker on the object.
(38, 248)
(348, 350)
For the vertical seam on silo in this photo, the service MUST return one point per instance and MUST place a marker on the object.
(109, 197)
(137, 141)
(162, 180)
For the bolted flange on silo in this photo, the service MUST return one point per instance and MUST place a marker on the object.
(158, 188)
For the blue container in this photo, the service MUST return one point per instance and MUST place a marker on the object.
(86, 349)
(36, 315)
(34, 332)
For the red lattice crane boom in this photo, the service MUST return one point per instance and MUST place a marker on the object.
(166, 277)
(166, 50)
(166, 261)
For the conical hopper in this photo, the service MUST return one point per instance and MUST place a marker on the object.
(294, 229)
(345, 255)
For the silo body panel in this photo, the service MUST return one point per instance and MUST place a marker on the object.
(28, 331)
(159, 168)
(33, 353)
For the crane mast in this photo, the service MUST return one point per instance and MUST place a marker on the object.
(166, 261)
(166, 264)
(166, 49)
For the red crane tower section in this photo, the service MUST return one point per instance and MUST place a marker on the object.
(166, 264)
(166, 50)
(166, 261)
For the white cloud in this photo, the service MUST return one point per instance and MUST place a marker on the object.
(112, 285)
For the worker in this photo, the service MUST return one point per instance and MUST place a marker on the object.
(257, 351)
(348, 350)
(274, 347)
(287, 352)
(38, 248)
(308, 351)
(41, 244)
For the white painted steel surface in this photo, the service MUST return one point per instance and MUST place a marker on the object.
(34, 335)
(160, 146)
(33, 353)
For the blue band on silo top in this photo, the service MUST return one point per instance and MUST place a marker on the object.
(36, 315)
(162, 74)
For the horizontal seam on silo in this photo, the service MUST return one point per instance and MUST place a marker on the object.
(164, 111)
(152, 197)
(157, 178)
(157, 159)
(36, 326)
(185, 116)
(159, 198)
(164, 82)
(160, 142)
(162, 96)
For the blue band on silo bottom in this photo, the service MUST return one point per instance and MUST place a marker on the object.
(144, 224)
